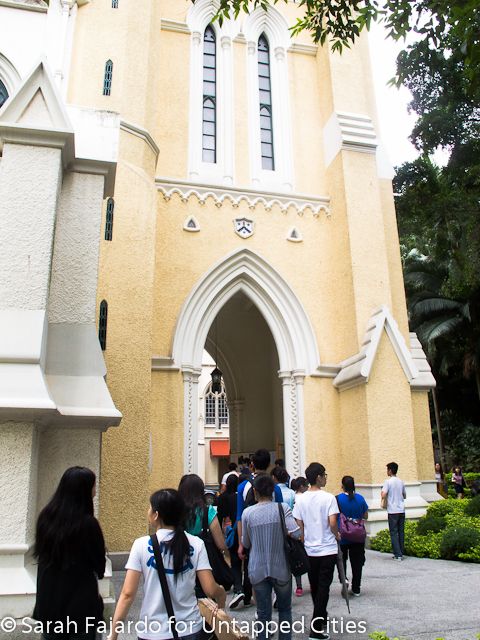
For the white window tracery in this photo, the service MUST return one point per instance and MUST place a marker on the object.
(216, 409)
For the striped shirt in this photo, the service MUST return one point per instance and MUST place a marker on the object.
(262, 533)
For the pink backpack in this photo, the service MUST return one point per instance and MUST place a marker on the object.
(352, 530)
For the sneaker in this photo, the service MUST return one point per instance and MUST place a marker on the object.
(236, 600)
(299, 592)
(398, 559)
(355, 593)
(323, 635)
(247, 605)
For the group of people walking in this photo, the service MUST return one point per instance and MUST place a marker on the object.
(188, 539)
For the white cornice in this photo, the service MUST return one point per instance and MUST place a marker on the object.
(173, 25)
(163, 363)
(306, 49)
(357, 369)
(142, 133)
(185, 189)
(22, 5)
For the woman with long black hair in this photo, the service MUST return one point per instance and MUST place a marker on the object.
(70, 549)
(184, 559)
(192, 490)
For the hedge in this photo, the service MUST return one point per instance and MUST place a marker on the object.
(450, 530)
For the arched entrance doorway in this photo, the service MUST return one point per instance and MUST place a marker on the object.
(244, 279)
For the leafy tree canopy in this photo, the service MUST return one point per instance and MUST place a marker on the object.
(340, 21)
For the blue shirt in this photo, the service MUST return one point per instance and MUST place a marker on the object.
(351, 508)
(241, 500)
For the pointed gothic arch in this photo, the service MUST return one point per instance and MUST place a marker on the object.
(246, 271)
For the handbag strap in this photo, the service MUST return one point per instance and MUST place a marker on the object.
(164, 584)
(205, 526)
(282, 518)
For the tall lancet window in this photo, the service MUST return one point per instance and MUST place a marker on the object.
(265, 95)
(107, 78)
(209, 127)
(109, 219)
(3, 93)
(102, 324)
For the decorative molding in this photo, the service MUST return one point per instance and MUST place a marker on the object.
(21, 122)
(326, 371)
(348, 131)
(173, 25)
(140, 132)
(190, 412)
(12, 4)
(246, 271)
(273, 24)
(191, 224)
(294, 235)
(163, 363)
(305, 49)
(425, 380)
(236, 195)
(97, 167)
(357, 369)
(358, 132)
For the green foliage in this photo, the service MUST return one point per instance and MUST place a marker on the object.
(381, 542)
(448, 530)
(459, 541)
(430, 524)
(435, 22)
(473, 507)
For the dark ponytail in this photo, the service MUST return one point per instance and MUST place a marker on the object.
(348, 485)
(170, 506)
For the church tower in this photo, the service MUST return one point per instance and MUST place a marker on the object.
(247, 210)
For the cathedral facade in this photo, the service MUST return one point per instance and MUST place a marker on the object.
(170, 185)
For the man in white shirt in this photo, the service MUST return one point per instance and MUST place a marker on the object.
(232, 471)
(316, 513)
(394, 490)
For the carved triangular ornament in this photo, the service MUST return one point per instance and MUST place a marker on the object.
(37, 103)
(294, 235)
(191, 224)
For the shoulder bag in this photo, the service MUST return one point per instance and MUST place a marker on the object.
(164, 584)
(221, 571)
(351, 529)
(297, 558)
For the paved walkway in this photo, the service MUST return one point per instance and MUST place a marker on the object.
(418, 599)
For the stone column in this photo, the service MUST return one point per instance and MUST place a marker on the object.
(190, 418)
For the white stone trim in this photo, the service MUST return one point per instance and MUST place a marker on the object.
(348, 131)
(245, 270)
(305, 49)
(294, 235)
(275, 27)
(140, 132)
(188, 227)
(163, 363)
(199, 16)
(173, 25)
(357, 369)
(425, 379)
(23, 5)
(235, 195)
(9, 76)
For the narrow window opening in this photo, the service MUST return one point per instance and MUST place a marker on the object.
(3, 93)
(209, 115)
(265, 97)
(109, 219)
(114, 4)
(107, 80)
(216, 408)
(102, 324)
